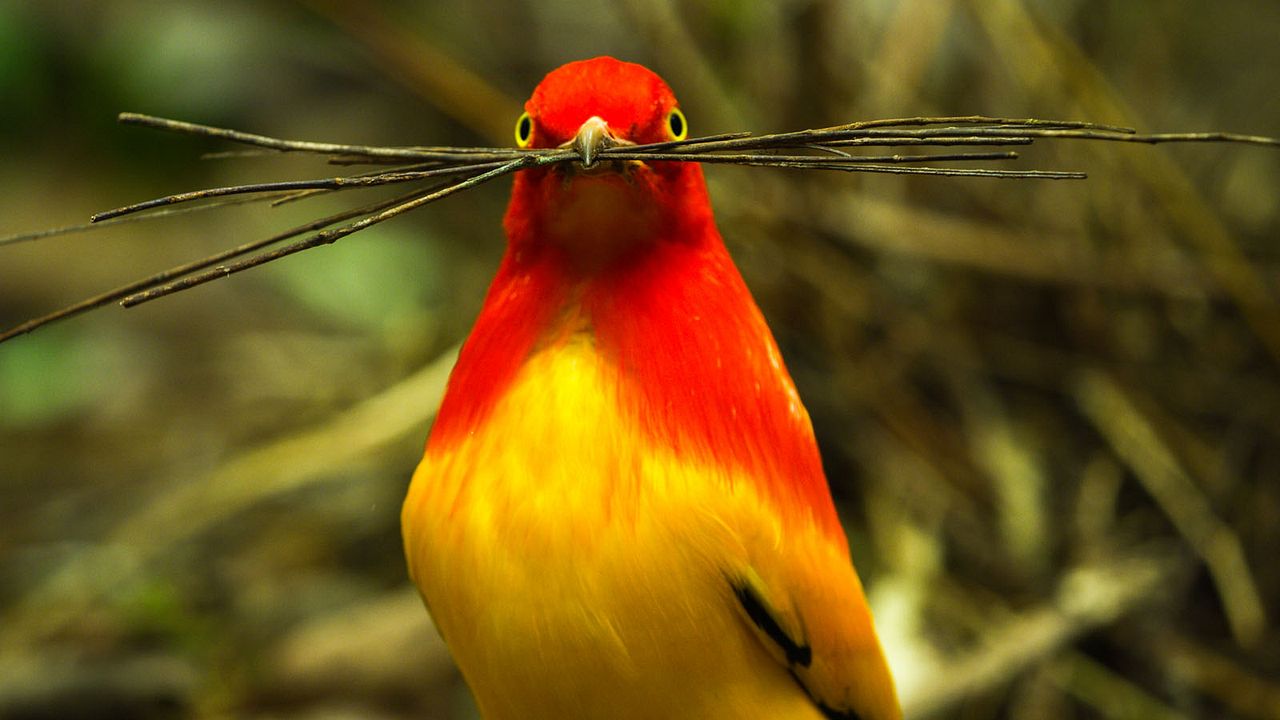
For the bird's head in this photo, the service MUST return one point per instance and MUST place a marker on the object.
(599, 210)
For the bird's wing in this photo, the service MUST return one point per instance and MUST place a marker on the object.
(807, 607)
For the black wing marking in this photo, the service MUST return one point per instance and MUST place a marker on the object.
(796, 651)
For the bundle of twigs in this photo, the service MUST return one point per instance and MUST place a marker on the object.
(437, 172)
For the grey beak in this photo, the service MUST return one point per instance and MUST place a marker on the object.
(592, 137)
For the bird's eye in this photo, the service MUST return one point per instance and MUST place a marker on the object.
(524, 130)
(676, 125)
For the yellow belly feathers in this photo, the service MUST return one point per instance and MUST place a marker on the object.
(578, 572)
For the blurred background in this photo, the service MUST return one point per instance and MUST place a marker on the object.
(1050, 411)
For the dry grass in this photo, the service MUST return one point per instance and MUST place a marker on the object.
(1049, 411)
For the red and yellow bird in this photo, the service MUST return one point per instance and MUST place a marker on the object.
(621, 512)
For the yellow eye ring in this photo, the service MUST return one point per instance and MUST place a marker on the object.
(677, 126)
(524, 130)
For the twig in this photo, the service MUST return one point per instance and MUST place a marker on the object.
(152, 215)
(334, 183)
(1110, 693)
(817, 149)
(124, 291)
(1244, 693)
(264, 141)
(322, 238)
(1139, 445)
(1088, 597)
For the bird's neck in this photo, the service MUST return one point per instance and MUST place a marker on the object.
(695, 365)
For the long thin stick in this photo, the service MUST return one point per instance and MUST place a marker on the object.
(321, 238)
(132, 288)
(152, 215)
(398, 153)
(334, 183)
(831, 147)
(887, 131)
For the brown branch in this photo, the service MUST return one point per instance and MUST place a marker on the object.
(326, 237)
(132, 288)
(785, 150)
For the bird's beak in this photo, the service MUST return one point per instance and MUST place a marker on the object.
(593, 137)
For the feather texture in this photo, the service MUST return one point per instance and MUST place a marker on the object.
(621, 511)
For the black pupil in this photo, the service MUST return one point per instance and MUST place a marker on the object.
(526, 127)
(677, 124)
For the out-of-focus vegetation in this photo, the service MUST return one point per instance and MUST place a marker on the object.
(1050, 411)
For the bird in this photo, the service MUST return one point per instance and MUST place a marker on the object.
(621, 511)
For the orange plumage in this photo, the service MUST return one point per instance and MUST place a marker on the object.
(621, 512)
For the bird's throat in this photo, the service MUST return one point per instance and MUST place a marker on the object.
(601, 220)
